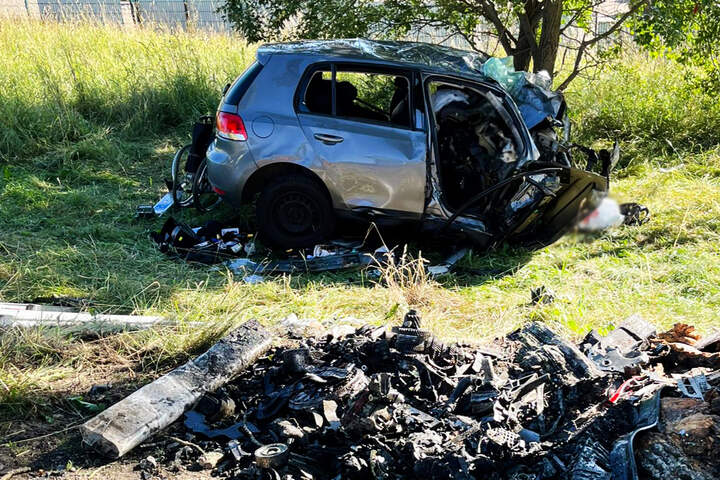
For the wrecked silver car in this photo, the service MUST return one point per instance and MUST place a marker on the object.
(399, 133)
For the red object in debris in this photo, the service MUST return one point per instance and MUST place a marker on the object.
(624, 388)
(231, 126)
(218, 191)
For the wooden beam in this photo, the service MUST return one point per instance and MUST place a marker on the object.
(152, 408)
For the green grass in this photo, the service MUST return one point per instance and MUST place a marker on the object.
(90, 119)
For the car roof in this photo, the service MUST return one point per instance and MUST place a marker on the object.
(426, 56)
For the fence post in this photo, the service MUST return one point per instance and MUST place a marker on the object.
(33, 9)
(127, 15)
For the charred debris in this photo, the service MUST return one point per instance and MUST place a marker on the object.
(370, 402)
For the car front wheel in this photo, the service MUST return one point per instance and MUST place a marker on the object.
(293, 211)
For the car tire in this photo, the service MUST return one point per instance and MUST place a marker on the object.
(294, 211)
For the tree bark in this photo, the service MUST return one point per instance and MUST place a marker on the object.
(526, 46)
(549, 37)
(522, 57)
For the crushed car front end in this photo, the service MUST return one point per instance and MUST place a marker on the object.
(498, 170)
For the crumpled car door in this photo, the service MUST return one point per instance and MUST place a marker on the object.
(372, 164)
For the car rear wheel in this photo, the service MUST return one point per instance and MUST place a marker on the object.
(182, 188)
(293, 211)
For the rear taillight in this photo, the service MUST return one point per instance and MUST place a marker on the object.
(231, 126)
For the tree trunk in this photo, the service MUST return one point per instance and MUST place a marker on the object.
(522, 57)
(549, 37)
(527, 47)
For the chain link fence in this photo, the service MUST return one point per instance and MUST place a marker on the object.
(205, 15)
(175, 14)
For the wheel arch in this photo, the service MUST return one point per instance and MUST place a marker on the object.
(264, 175)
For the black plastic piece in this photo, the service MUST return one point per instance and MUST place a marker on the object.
(622, 455)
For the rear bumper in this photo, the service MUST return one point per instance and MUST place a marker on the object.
(230, 164)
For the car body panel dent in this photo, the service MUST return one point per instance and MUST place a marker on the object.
(373, 166)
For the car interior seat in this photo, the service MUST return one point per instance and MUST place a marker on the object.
(345, 95)
(399, 103)
(318, 96)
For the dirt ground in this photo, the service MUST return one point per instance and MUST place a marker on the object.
(50, 446)
(63, 455)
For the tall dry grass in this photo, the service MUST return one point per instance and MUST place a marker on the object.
(75, 82)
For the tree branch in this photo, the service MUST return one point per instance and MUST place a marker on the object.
(506, 38)
(579, 12)
(618, 23)
(526, 25)
(585, 44)
(576, 66)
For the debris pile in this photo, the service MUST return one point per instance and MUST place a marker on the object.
(377, 403)
(215, 243)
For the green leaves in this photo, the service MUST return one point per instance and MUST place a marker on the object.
(687, 30)
(531, 32)
(272, 20)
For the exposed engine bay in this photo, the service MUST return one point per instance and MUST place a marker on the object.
(518, 189)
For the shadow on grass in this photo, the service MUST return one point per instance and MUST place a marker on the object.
(70, 228)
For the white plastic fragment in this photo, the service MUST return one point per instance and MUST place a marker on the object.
(253, 279)
(607, 215)
(29, 315)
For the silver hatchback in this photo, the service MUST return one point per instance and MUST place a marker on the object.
(395, 132)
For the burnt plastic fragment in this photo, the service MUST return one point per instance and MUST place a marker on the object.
(275, 403)
(197, 423)
(543, 350)
(541, 295)
(297, 360)
(591, 462)
(634, 213)
(236, 451)
(622, 456)
(620, 350)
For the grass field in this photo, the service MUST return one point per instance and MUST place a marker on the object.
(91, 117)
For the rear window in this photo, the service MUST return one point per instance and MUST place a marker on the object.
(242, 83)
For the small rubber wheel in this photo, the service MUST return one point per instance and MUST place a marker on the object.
(294, 211)
(182, 180)
(204, 198)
